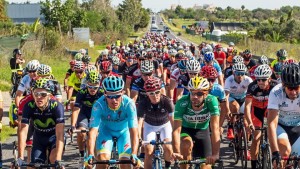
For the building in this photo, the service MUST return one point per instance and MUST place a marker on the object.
(221, 28)
(27, 13)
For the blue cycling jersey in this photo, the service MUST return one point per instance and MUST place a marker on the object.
(116, 120)
(218, 91)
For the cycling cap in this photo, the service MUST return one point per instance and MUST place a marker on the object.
(290, 75)
(113, 84)
(262, 72)
(147, 66)
(209, 72)
(193, 66)
(198, 83)
(93, 77)
(152, 84)
(44, 70)
(32, 65)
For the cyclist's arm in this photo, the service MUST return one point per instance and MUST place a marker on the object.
(272, 125)
(176, 135)
(179, 93)
(19, 94)
(93, 132)
(164, 75)
(59, 132)
(75, 116)
(215, 137)
(22, 140)
(220, 80)
(70, 91)
(134, 140)
(172, 87)
(133, 127)
(248, 103)
(66, 81)
(127, 87)
(134, 94)
(95, 121)
(140, 115)
(225, 111)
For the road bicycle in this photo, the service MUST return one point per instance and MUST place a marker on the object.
(293, 161)
(240, 145)
(196, 164)
(16, 81)
(158, 151)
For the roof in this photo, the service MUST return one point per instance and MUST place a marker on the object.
(24, 12)
(227, 26)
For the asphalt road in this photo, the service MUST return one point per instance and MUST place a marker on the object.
(71, 153)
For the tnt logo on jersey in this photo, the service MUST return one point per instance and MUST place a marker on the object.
(284, 105)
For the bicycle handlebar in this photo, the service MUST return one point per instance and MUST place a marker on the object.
(198, 161)
(154, 142)
(39, 165)
(110, 162)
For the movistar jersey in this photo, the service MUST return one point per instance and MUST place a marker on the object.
(85, 101)
(192, 119)
(116, 120)
(44, 121)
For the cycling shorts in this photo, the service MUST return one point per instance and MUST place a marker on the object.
(241, 102)
(40, 146)
(292, 133)
(257, 116)
(30, 134)
(104, 142)
(201, 139)
(82, 121)
(150, 131)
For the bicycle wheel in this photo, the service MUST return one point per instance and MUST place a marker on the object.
(243, 147)
(266, 157)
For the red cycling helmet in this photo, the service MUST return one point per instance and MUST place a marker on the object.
(72, 63)
(152, 84)
(218, 46)
(229, 50)
(106, 66)
(209, 72)
(289, 61)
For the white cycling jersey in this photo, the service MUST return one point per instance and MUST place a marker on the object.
(289, 110)
(25, 84)
(237, 90)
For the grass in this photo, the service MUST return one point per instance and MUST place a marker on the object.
(7, 132)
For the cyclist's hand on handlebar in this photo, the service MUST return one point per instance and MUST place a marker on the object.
(136, 161)
(89, 161)
(276, 159)
(71, 129)
(177, 156)
(19, 162)
(59, 164)
(212, 159)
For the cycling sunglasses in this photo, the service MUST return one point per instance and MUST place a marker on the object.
(105, 72)
(113, 96)
(93, 87)
(78, 71)
(293, 88)
(240, 73)
(153, 93)
(261, 80)
(211, 80)
(199, 94)
(147, 74)
(31, 71)
(40, 94)
(194, 74)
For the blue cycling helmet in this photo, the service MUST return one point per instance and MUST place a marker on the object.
(209, 56)
(182, 64)
(113, 84)
(278, 67)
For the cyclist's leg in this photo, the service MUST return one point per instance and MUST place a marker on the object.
(29, 140)
(234, 108)
(166, 135)
(81, 124)
(104, 146)
(39, 149)
(202, 147)
(124, 148)
(283, 142)
(186, 144)
(149, 134)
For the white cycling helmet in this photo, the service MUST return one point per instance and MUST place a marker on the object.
(32, 65)
(263, 72)
(90, 68)
(193, 66)
(172, 52)
(79, 65)
(82, 51)
(240, 67)
(115, 60)
(44, 70)
(238, 59)
(147, 66)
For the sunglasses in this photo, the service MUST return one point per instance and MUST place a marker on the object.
(129, 60)
(105, 72)
(197, 94)
(240, 73)
(293, 88)
(153, 93)
(79, 71)
(93, 87)
(211, 80)
(182, 70)
(31, 71)
(194, 74)
(147, 74)
(113, 96)
(40, 94)
(261, 80)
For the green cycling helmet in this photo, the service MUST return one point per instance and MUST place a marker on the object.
(93, 77)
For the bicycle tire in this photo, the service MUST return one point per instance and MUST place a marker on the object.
(243, 147)
(266, 157)
(235, 147)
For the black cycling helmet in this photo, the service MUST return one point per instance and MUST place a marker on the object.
(290, 75)
(16, 51)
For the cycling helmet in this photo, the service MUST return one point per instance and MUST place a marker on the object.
(263, 72)
(104, 52)
(237, 59)
(16, 51)
(247, 54)
(32, 65)
(44, 70)
(263, 60)
(93, 77)
(209, 72)
(78, 57)
(207, 48)
(90, 68)
(218, 46)
(113, 84)
(179, 56)
(152, 84)
(193, 66)
(209, 56)
(198, 83)
(189, 54)
(147, 66)
(86, 59)
(290, 75)
(282, 53)
(79, 65)
(115, 60)
(82, 51)
(278, 67)
(229, 50)
(240, 67)
(182, 64)
(72, 63)
(43, 83)
(289, 62)
(106, 66)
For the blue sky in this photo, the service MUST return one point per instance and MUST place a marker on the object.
(157, 5)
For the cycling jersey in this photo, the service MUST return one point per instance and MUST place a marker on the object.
(69, 72)
(181, 79)
(220, 57)
(134, 72)
(85, 101)
(237, 90)
(251, 72)
(218, 91)
(227, 72)
(116, 120)
(289, 110)
(250, 64)
(75, 82)
(155, 114)
(216, 66)
(196, 119)
(24, 85)
(44, 121)
(167, 65)
(273, 63)
(124, 69)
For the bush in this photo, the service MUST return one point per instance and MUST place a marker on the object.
(52, 39)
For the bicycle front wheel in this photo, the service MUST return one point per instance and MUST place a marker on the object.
(266, 158)
(243, 147)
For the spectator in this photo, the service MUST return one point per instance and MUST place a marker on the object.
(16, 63)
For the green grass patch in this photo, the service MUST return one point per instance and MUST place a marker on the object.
(7, 132)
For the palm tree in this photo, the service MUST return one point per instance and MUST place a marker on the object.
(274, 37)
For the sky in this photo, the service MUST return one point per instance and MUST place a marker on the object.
(157, 5)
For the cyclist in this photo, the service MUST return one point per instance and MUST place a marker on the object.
(262, 60)
(220, 56)
(102, 57)
(124, 67)
(277, 69)
(106, 70)
(247, 55)
(116, 64)
(236, 88)
(194, 114)
(16, 63)
(68, 74)
(85, 99)
(113, 115)
(284, 115)
(256, 106)
(175, 83)
(281, 57)
(158, 116)
(87, 70)
(133, 73)
(167, 63)
(48, 118)
(209, 60)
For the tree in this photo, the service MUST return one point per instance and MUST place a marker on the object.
(242, 7)
(3, 16)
